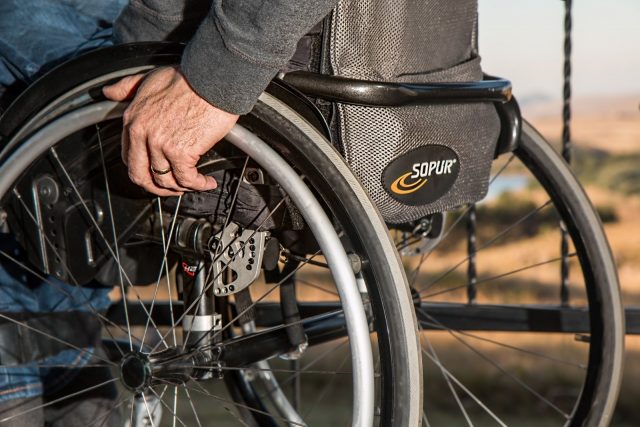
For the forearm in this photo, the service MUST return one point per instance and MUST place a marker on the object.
(239, 46)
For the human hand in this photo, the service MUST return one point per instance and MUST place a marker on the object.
(167, 126)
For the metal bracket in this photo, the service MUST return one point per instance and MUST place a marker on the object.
(237, 258)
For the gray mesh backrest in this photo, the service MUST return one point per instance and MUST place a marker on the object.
(412, 41)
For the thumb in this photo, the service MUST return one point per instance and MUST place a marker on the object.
(123, 89)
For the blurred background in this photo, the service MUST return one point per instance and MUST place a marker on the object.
(523, 41)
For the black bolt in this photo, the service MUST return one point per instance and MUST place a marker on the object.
(249, 267)
(252, 241)
(252, 247)
(251, 261)
(253, 176)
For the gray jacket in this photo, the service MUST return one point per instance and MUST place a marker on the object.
(235, 47)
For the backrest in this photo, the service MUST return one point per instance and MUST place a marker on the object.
(451, 146)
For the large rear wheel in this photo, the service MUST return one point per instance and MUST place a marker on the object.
(284, 282)
(517, 322)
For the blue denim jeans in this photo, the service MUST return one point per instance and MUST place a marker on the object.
(37, 34)
(34, 36)
(22, 292)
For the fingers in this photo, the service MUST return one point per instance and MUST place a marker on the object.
(124, 149)
(159, 162)
(187, 176)
(138, 162)
(123, 89)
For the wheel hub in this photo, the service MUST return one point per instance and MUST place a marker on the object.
(135, 371)
(139, 371)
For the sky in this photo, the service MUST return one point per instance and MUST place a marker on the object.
(522, 40)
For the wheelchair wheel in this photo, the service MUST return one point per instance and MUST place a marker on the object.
(283, 284)
(511, 329)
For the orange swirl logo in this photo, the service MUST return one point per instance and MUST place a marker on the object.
(400, 185)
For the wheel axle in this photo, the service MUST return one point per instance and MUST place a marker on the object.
(139, 371)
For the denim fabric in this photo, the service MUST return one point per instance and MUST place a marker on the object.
(23, 292)
(36, 34)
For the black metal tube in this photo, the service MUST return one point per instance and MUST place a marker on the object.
(472, 276)
(391, 94)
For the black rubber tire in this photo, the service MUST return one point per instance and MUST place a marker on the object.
(606, 351)
(487, 316)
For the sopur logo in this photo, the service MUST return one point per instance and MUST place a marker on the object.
(422, 175)
(413, 181)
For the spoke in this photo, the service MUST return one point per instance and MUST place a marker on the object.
(39, 366)
(224, 405)
(146, 406)
(498, 276)
(438, 325)
(235, 193)
(166, 266)
(528, 267)
(68, 344)
(325, 389)
(163, 267)
(226, 224)
(416, 271)
(285, 371)
(291, 256)
(448, 381)
(500, 368)
(425, 420)
(211, 282)
(162, 402)
(506, 164)
(424, 256)
(67, 270)
(102, 420)
(239, 405)
(406, 243)
(54, 154)
(320, 288)
(63, 291)
(193, 408)
(274, 287)
(308, 365)
(133, 405)
(279, 327)
(468, 207)
(115, 235)
(465, 389)
(175, 404)
(53, 402)
(486, 245)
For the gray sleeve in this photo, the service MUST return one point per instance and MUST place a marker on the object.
(238, 47)
(241, 45)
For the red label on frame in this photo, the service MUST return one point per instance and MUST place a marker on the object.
(189, 270)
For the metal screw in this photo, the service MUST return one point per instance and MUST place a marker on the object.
(253, 176)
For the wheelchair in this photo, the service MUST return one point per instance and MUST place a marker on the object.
(285, 288)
